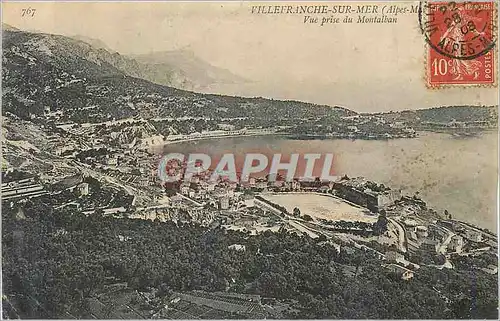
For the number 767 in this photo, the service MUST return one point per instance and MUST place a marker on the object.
(28, 12)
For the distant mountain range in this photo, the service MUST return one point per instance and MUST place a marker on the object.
(179, 68)
(96, 43)
(183, 65)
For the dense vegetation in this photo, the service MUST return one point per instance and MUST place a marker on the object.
(457, 113)
(473, 115)
(53, 261)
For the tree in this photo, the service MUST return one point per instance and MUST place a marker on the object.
(296, 212)
(307, 218)
(380, 227)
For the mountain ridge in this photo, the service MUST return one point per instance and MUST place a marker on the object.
(190, 66)
(44, 70)
(74, 61)
(178, 68)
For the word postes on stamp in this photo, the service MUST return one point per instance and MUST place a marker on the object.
(461, 41)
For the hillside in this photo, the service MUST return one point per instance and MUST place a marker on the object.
(96, 43)
(186, 70)
(178, 68)
(8, 27)
(458, 113)
(50, 72)
(480, 115)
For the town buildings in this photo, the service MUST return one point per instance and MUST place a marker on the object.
(365, 193)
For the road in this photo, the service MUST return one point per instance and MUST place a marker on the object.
(130, 190)
(302, 228)
(401, 235)
(444, 245)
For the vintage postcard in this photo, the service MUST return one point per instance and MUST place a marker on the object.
(249, 160)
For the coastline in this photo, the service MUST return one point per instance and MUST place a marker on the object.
(314, 137)
(198, 138)
(283, 134)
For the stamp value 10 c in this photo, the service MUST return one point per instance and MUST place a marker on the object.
(461, 42)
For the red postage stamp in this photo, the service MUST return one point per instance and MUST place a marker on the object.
(461, 42)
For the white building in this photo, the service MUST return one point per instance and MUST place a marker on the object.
(83, 189)
(224, 203)
(237, 247)
(456, 244)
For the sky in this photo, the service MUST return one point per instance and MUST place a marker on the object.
(364, 67)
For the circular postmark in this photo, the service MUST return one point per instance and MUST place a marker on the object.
(458, 30)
